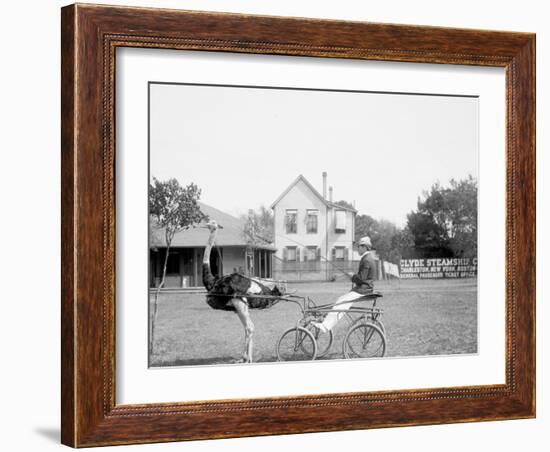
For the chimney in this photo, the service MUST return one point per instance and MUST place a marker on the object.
(324, 184)
(330, 194)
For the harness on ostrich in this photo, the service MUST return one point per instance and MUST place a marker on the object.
(257, 293)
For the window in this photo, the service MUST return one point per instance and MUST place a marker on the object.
(291, 221)
(312, 253)
(312, 220)
(340, 222)
(290, 254)
(339, 253)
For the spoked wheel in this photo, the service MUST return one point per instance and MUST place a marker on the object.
(324, 341)
(365, 340)
(296, 344)
(380, 325)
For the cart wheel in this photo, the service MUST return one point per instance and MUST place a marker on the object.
(380, 325)
(296, 344)
(324, 341)
(365, 340)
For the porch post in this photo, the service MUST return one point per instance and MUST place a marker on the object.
(260, 252)
(195, 263)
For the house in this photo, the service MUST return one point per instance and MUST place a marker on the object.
(311, 230)
(232, 253)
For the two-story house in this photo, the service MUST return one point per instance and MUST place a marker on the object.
(311, 230)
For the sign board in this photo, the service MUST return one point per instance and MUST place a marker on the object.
(438, 268)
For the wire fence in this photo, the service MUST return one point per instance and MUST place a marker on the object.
(318, 270)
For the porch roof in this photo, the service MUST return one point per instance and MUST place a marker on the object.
(232, 233)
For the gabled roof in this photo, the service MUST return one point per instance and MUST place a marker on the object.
(339, 207)
(314, 191)
(232, 233)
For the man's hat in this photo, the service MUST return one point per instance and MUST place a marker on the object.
(365, 241)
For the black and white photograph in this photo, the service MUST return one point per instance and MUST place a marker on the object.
(292, 224)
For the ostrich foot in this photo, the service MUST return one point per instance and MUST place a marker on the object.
(243, 360)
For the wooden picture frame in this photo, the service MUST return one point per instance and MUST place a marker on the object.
(90, 36)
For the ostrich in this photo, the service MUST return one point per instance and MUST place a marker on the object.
(235, 292)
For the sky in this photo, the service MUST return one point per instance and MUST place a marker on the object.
(243, 146)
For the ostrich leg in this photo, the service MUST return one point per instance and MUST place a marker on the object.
(244, 316)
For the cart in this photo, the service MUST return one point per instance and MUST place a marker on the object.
(364, 338)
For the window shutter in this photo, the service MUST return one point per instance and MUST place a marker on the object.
(285, 253)
(340, 220)
(318, 256)
(333, 254)
(306, 252)
(297, 254)
(346, 254)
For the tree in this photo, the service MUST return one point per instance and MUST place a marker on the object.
(402, 245)
(259, 226)
(174, 209)
(429, 238)
(384, 236)
(445, 223)
(461, 218)
(365, 225)
(345, 204)
(384, 241)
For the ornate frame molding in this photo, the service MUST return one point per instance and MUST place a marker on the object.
(90, 37)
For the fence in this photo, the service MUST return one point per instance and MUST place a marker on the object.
(317, 270)
(295, 271)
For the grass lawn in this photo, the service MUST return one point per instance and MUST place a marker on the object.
(422, 317)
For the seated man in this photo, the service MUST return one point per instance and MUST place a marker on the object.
(362, 285)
